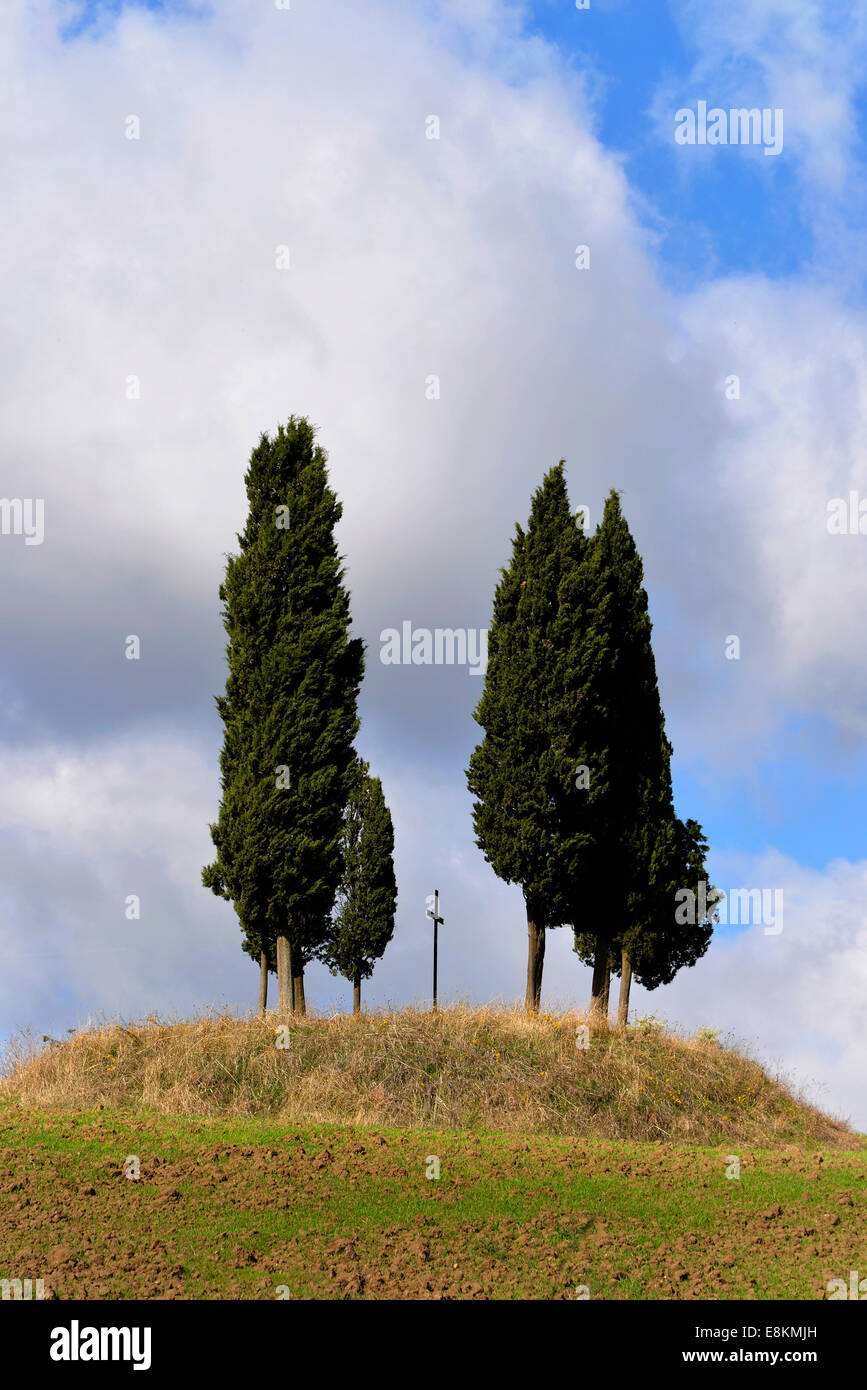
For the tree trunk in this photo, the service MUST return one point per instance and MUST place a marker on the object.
(263, 983)
(606, 990)
(625, 983)
(535, 961)
(597, 992)
(356, 995)
(299, 1003)
(284, 974)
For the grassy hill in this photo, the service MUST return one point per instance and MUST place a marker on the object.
(308, 1171)
(463, 1068)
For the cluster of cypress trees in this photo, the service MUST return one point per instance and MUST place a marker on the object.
(302, 825)
(572, 780)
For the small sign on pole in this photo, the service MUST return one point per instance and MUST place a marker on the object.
(432, 904)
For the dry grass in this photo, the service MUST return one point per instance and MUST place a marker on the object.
(487, 1068)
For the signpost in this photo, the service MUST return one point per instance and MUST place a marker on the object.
(433, 911)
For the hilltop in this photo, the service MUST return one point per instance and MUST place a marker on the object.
(463, 1068)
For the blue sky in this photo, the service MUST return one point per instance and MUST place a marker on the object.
(154, 257)
(95, 19)
(738, 216)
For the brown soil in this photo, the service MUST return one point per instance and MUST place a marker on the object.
(236, 1221)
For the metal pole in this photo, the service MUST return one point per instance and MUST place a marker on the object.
(436, 926)
(434, 913)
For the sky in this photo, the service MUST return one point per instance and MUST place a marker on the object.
(218, 215)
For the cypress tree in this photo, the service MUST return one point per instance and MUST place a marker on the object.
(238, 873)
(642, 850)
(529, 819)
(289, 709)
(363, 924)
(630, 777)
(661, 945)
(651, 945)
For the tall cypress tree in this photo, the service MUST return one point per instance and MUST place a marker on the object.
(363, 923)
(529, 819)
(642, 850)
(238, 872)
(289, 709)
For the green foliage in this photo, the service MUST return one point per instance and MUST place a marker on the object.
(571, 683)
(529, 819)
(644, 853)
(363, 923)
(629, 797)
(708, 1035)
(650, 1023)
(656, 944)
(289, 710)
